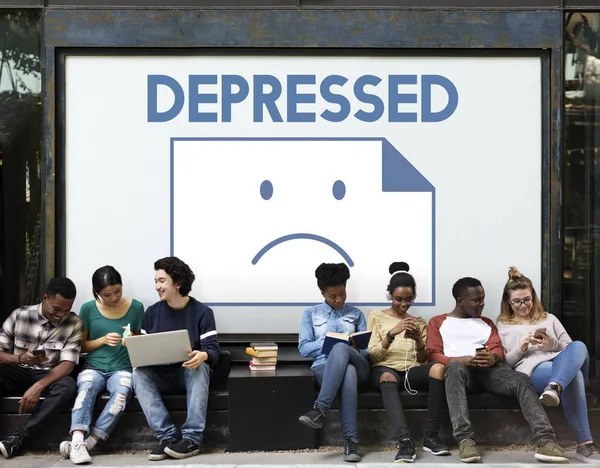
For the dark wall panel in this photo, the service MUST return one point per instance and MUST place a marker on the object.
(475, 4)
(302, 28)
(592, 4)
(177, 3)
(479, 4)
(20, 3)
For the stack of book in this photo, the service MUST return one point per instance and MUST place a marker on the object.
(264, 356)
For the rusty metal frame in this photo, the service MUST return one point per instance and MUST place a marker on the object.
(424, 31)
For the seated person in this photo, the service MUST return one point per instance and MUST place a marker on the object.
(470, 348)
(538, 345)
(399, 358)
(176, 310)
(344, 369)
(107, 366)
(39, 347)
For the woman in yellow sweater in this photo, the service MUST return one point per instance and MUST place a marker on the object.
(399, 357)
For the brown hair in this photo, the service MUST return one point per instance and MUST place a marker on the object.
(517, 280)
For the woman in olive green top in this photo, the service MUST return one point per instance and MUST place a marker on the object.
(107, 366)
(399, 357)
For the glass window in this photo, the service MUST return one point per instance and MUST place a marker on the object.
(20, 153)
(581, 181)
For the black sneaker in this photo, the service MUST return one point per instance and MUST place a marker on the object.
(314, 418)
(11, 445)
(159, 453)
(184, 449)
(407, 453)
(433, 444)
(351, 453)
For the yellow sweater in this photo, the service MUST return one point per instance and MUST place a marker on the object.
(401, 355)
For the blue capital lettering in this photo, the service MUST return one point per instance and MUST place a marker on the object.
(294, 98)
(362, 96)
(326, 84)
(229, 97)
(197, 98)
(427, 81)
(396, 98)
(266, 99)
(153, 82)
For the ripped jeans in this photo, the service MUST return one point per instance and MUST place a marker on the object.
(90, 383)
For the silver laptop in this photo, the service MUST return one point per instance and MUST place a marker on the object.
(159, 348)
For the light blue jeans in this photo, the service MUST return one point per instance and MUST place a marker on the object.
(90, 383)
(570, 369)
(343, 372)
(149, 382)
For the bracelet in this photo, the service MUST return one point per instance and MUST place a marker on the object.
(389, 337)
(19, 359)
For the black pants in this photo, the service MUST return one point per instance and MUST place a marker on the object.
(418, 378)
(15, 380)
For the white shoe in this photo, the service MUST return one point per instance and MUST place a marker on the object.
(550, 396)
(65, 448)
(79, 453)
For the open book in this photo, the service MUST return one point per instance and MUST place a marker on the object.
(361, 340)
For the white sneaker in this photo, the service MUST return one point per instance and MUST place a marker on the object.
(550, 396)
(65, 448)
(79, 453)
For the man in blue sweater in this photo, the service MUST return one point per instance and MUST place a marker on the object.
(176, 310)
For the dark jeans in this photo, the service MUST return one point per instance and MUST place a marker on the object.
(499, 380)
(343, 372)
(418, 379)
(59, 396)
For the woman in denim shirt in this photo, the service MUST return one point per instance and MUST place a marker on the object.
(344, 369)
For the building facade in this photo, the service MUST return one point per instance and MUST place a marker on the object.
(36, 39)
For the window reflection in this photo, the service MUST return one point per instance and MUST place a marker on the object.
(20, 172)
(581, 169)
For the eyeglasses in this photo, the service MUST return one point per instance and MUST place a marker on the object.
(518, 303)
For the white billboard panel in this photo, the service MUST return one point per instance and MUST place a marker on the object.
(255, 169)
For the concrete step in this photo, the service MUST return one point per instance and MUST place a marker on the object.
(372, 458)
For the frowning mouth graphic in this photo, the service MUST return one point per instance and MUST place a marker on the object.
(306, 236)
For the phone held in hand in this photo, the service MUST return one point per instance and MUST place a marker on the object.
(540, 333)
(39, 352)
(481, 348)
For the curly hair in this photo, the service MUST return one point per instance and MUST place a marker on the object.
(517, 280)
(180, 273)
(463, 284)
(61, 285)
(331, 274)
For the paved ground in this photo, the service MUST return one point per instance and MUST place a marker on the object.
(328, 459)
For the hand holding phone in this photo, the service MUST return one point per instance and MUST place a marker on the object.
(540, 333)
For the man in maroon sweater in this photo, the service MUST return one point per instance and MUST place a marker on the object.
(470, 348)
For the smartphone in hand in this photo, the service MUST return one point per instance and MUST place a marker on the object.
(39, 352)
(481, 348)
(540, 333)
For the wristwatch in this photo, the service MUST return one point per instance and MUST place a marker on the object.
(389, 337)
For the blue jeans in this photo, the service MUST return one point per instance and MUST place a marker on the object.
(570, 370)
(149, 382)
(90, 383)
(342, 373)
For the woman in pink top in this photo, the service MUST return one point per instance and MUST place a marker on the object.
(538, 345)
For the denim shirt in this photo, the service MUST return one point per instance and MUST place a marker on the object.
(320, 319)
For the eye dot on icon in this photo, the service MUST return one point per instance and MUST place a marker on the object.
(266, 189)
(339, 189)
